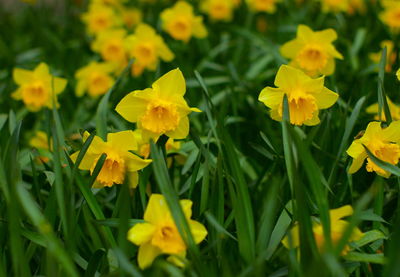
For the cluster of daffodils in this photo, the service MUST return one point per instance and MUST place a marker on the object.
(311, 55)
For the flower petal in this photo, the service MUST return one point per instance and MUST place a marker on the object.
(141, 233)
(198, 230)
(336, 214)
(392, 132)
(271, 97)
(291, 48)
(181, 131)
(22, 76)
(125, 140)
(171, 84)
(157, 209)
(147, 254)
(326, 98)
(134, 105)
(134, 163)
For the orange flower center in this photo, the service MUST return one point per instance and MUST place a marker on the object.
(168, 239)
(100, 22)
(181, 29)
(99, 84)
(113, 51)
(160, 117)
(301, 107)
(264, 5)
(35, 94)
(388, 152)
(312, 58)
(219, 11)
(145, 53)
(112, 172)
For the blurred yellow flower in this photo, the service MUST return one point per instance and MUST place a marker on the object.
(356, 6)
(391, 55)
(382, 142)
(306, 96)
(394, 110)
(268, 6)
(131, 17)
(94, 79)
(37, 88)
(338, 227)
(146, 47)
(181, 23)
(159, 234)
(160, 109)
(218, 9)
(100, 18)
(335, 6)
(391, 14)
(41, 142)
(115, 3)
(119, 162)
(311, 51)
(110, 45)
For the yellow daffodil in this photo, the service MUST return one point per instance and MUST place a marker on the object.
(335, 6)
(146, 47)
(110, 45)
(268, 6)
(41, 142)
(394, 110)
(37, 88)
(311, 51)
(306, 96)
(159, 234)
(94, 79)
(391, 55)
(382, 142)
(391, 14)
(100, 18)
(119, 162)
(338, 227)
(356, 6)
(218, 9)
(181, 23)
(131, 17)
(160, 109)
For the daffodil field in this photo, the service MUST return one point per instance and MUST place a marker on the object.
(199, 138)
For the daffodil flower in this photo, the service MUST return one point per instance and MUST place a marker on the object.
(338, 227)
(382, 142)
(159, 233)
(218, 9)
(37, 88)
(391, 55)
(146, 48)
(393, 108)
(120, 162)
(306, 96)
(160, 109)
(181, 23)
(94, 79)
(391, 14)
(268, 6)
(99, 18)
(312, 52)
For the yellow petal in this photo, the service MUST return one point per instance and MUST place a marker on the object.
(42, 71)
(313, 121)
(357, 163)
(326, 98)
(336, 214)
(373, 129)
(59, 84)
(163, 51)
(304, 32)
(86, 162)
(198, 230)
(291, 48)
(196, 110)
(124, 140)
(199, 30)
(327, 36)
(289, 77)
(373, 109)
(133, 179)
(141, 233)
(392, 132)
(186, 207)
(134, 105)
(329, 68)
(181, 131)
(22, 76)
(147, 254)
(271, 97)
(171, 84)
(80, 89)
(157, 209)
(134, 163)
(291, 240)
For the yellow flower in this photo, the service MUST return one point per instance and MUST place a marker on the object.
(159, 234)
(41, 142)
(338, 227)
(161, 109)
(218, 9)
(311, 51)
(335, 6)
(394, 110)
(391, 14)
(356, 6)
(391, 55)
(268, 6)
(131, 17)
(94, 79)
(37, 88)
(100, 18)
(181, 23)
(383, 143)
(146, 47)
(306, 96)
(119, 162)
(110, 45)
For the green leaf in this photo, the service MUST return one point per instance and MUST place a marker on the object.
(365, 258)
